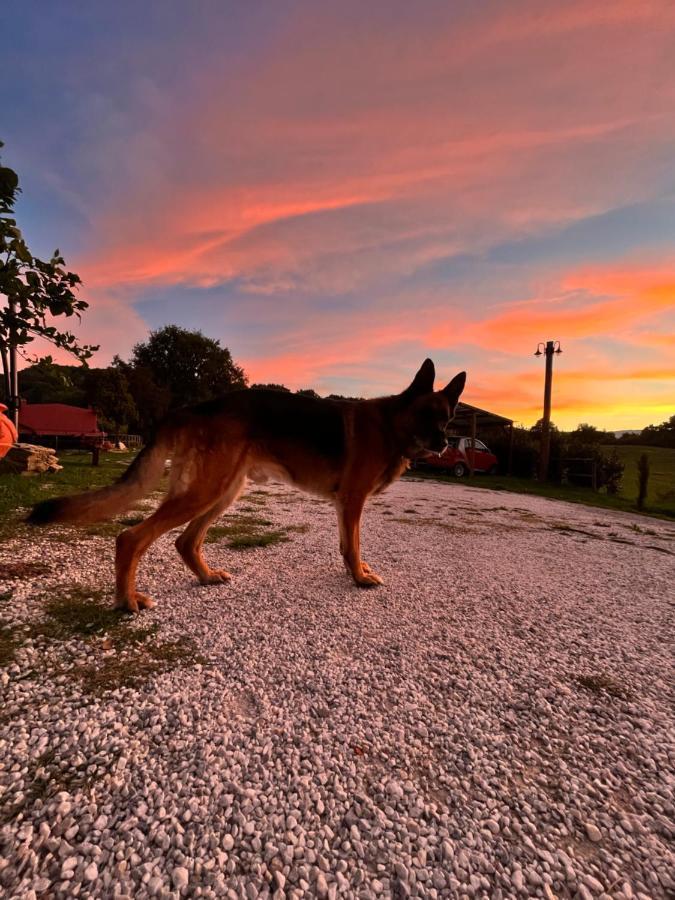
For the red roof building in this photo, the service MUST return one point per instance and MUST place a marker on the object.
(58, 419)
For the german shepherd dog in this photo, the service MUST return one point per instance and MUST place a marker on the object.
(343, 450)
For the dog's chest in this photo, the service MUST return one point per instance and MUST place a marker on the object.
(394, 470)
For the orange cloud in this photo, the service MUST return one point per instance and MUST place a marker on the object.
(589, 303)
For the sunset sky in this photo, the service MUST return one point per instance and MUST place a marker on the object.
(336, 190)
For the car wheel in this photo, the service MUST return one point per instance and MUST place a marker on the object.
(459, 470)
(492, 470)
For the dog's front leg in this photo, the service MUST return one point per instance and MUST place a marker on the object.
(349, 511)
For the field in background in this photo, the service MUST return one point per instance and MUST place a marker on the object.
(661, 475)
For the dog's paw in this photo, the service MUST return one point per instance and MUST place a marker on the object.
(368, 578)
(134, 603)
(215, 576)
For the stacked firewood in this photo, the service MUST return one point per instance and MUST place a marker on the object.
(29, 459)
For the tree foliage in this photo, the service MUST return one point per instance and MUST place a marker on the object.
(47, 382)
(308, 392)
(192, 367)
(270, 387)
(173, 368)
(589, 434)
(108, 393)
(36, 290)
(662, 435)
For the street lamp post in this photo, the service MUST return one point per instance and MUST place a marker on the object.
(550, 347)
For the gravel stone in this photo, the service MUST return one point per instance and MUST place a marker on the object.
(493, 721)
(593, 832)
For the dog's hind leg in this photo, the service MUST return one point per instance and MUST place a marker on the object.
(132, 543)
(189, 544)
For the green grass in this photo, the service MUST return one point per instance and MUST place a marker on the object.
(76, 612)
(138, 665)
(80, 613)
(20, 492)
(21, 570)
(296, 529)
(245, 531)
(665, 508)
(259, 498)
(114, 527)
(661, 486)
(264, 539)
(236, 526)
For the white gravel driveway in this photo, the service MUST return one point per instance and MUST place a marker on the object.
(497, 720)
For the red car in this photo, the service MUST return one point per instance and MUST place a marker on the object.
(457, 458)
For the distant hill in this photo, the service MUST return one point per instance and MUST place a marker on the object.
(628, 431)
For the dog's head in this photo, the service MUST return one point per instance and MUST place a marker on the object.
(425, 413)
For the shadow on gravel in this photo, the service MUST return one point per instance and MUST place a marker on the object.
(603, 684)
(20, 570)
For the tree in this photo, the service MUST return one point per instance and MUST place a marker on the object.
(107, 392)
(36, 292)
(47, 382)
(270, 387)
(590, 435)
(308, 392)
(587, 434)
(192, 367)
(662, 435)
(152, 400)
(539, 424)
(342, 397)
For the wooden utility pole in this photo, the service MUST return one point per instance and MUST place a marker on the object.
(545, 446)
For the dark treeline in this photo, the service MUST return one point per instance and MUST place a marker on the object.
(173, 368)
(662, 435)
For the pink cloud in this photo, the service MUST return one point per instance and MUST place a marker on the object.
(444, 129)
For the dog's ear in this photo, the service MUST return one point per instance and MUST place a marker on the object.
(453, 390)
(423, 382)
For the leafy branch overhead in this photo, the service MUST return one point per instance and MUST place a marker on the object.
(36, 290)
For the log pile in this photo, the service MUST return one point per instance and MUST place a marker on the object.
(29, 459)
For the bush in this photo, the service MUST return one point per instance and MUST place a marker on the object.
(525, 450)
(608, 467)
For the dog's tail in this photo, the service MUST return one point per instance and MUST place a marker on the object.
(96, 506)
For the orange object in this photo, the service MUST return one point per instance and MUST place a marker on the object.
(8, 433)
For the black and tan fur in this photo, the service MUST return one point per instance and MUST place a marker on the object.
(342, 450)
